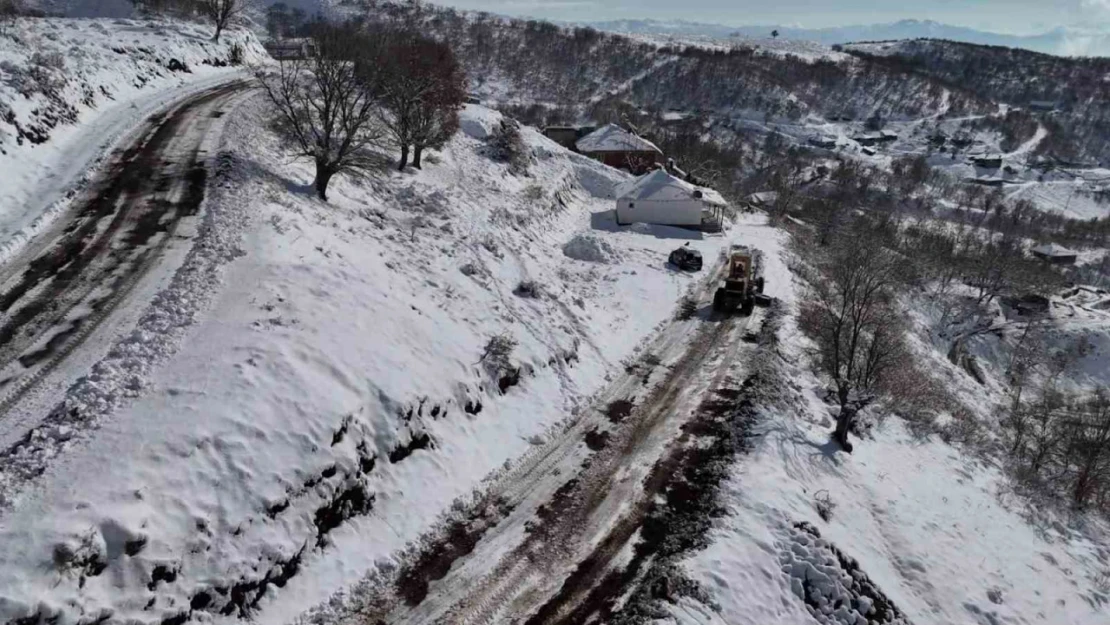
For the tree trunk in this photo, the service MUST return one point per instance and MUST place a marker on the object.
(323, 177)
(840, 435)
(219, 29)
(416, 156)
(404, 158)
(843, 420)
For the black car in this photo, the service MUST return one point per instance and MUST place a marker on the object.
(686, 259)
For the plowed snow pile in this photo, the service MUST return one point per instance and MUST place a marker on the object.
(589, 248)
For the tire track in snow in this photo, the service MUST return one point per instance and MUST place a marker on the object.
(538, 555)
(94, 259)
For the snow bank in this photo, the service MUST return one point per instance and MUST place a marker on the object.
(74, 87)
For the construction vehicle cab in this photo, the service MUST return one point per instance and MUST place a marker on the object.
(742, 285)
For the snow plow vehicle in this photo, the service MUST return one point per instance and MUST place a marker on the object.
(742, 286)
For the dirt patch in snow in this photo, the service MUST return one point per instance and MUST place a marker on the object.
(618, 410)
(455, 539)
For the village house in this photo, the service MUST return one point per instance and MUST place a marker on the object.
(762, 200)
(823, 142)
(619, 148)
(290, 49)
(567, 136)
(1055, 254)
(875, 138)
(660, 198)
(987, 181)
(988, 161)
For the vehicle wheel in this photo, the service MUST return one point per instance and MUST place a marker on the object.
(718, 301)
(759, 285)
(748, 306)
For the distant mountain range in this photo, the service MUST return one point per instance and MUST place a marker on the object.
(1067, 41)
(1094, 41)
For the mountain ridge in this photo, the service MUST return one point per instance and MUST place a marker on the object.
(1063, 41)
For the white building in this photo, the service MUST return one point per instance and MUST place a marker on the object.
(660, 198)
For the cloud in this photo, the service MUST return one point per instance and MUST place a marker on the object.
(1097, 6)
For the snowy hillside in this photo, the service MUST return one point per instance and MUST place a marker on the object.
(253, 459)
(919, 530)
(463, 393)
(73, 88)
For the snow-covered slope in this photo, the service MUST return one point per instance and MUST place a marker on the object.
(938, 531)
(73, 88)
(339, 370)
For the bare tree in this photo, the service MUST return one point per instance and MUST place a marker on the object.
(437, 113)
(851, 317)
(1088, 449)
(326, 104)
(422, 89)
(221, 13)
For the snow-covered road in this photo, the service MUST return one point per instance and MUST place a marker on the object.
(66, 282)
(550, 536)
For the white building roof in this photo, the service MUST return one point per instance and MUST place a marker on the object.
(763, 197)
(1052, 249)
(660, 186)
(613, 138)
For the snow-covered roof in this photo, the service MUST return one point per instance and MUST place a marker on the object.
(660, 186)
(763, 197)
(1053, 249)
(613, 138)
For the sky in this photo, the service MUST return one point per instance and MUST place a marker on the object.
(1019, 17)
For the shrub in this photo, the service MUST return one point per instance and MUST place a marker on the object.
(687, 308)
(507, 146)
(534, 193)
(529, 289)
(497, 356)
(824, 504)
(237, 54)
